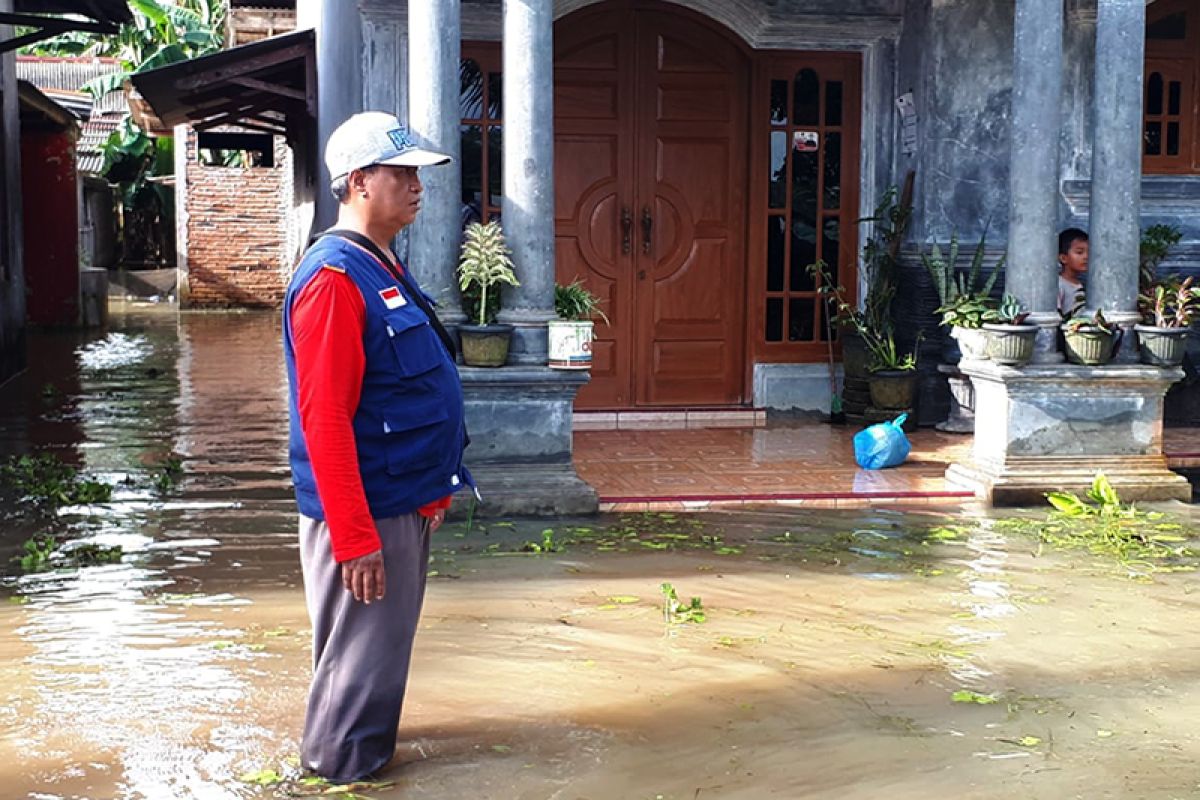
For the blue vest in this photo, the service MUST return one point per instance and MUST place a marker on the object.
(408, 428)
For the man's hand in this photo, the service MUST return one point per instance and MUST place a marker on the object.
(364, 577)
(437, 519)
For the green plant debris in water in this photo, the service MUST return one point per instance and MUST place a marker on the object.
(291, 781)
(44, 480)
(676, 612)
(1099, 523)
(41, 553)
(967, 696)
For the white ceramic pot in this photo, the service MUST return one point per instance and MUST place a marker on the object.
(570, 344)
(972, 342)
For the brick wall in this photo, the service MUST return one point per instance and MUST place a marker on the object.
(239, 236)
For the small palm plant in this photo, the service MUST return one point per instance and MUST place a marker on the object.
(485, 263)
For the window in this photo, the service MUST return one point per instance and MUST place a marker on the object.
(1171, 107)
(235, 149)
(807, 182)
(480, 100)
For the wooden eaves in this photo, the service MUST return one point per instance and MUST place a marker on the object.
(269, 86)
(93, 16)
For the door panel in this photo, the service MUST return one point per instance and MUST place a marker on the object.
(691, 171)
(650, 116)
(593, 157)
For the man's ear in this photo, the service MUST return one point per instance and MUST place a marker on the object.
(357, 181)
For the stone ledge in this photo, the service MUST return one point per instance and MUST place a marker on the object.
(1025, 482)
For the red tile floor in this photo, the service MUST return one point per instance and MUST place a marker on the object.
(809, 464)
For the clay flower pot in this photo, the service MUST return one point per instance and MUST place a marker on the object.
(1089, 345)
(1161, 347)
(485, 345)
(893, 389)
(1011, 345)
(972, 342)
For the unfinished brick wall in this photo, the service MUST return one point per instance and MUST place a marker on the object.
(238, 232)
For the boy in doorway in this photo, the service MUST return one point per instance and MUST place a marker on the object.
(1073, 264)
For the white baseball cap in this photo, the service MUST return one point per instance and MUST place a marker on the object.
(374, 137)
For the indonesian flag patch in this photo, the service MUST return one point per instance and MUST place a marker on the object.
(392, 298)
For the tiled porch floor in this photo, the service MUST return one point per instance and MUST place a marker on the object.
(796, 464)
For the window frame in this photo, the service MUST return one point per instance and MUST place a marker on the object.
(487, 55)
(846, 67)
(1177, 58)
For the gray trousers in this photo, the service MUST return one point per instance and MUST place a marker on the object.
(360, 652)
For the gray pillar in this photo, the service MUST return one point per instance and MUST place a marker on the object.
(1033, 169)
(434, 44)
(527, 209)
(1117, 162)
(339, 82)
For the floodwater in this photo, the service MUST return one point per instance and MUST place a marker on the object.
(826, 667)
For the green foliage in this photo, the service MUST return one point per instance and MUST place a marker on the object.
(574, 302)
(45, 480)
(964, 300)
(1007, 313)
(41, 552)
(1096, 322)
(547, 545)
(168, 474)
(1156, 244)
(886, 356)
(1101, 524)
(676, 612)
(485, 263)
(879, 340)
(90, 555)
(36, 553)
(1171, 303)
(881, 268)
(162, 32)
(967, 696)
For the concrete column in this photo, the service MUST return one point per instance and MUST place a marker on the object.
(1033, 167)
(1117, 163)
(434, 44)
(527, 209)
(338, 26)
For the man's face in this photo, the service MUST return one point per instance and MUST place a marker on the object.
(393, 194)
(1075, 260)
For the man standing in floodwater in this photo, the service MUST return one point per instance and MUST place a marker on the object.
(376, 445)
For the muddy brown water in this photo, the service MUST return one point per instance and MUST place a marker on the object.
(826, 668)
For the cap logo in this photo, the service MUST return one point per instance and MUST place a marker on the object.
(400, 139)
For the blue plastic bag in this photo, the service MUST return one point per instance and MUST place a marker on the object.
(883, 445)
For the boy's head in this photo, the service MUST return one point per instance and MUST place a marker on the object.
(1073, 253)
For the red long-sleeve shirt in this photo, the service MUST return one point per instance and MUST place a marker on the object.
(328, 318)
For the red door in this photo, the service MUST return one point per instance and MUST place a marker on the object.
(650, 171)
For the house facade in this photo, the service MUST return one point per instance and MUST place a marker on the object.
(696, 156)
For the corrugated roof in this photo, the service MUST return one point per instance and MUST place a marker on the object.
(63, 80)
(53, 72)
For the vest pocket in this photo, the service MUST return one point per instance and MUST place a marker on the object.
(416, 345)
(415, 434)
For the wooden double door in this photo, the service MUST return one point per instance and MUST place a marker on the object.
(650, 213)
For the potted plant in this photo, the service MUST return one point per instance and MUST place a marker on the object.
(1090, 341)
(483, 266)
(1010, 338)
(964, 300)
(1170, 308)
(570, 336)
(893, 380)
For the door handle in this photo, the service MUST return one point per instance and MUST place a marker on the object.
(647, 230)
(626, 229)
